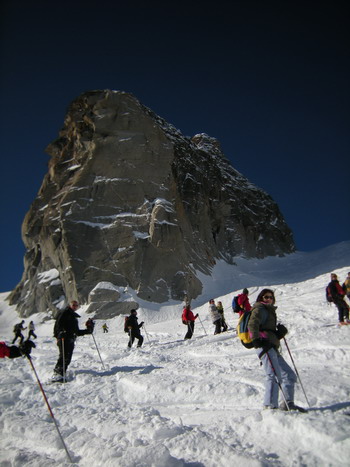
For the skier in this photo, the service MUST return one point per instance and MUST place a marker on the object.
(220, 309)
(90, 325)
(134, 329)
(337, 293)
(31, 329)
(66, 330)
(18, 328)
(105, 328)
(266, 335)
(189, 318)
(215, 316)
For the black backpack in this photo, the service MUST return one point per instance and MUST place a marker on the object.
(329, 297)
(126, 322)
(57, 327)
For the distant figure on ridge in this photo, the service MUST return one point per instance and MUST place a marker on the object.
(336, 294)
(105, 328)
(189, 318)
(215, 316)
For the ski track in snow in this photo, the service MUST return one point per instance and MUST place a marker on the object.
(194, 403)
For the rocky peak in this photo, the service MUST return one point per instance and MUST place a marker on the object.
(130, 202)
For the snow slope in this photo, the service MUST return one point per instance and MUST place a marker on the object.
(188, 403)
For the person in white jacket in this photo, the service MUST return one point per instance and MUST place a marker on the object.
(215, 316)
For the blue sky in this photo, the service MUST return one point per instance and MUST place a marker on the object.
(268, 79)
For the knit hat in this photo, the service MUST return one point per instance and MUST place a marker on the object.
(245, 291)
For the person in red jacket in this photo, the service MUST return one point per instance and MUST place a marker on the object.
(189, 318)
(337, 293)
(243, 302)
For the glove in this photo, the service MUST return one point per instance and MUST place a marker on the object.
(26, 348)
(261, 343)
(257, 343)
(141, 324)
(281, 331)
(197, 315)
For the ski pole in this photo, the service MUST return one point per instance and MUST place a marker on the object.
(63, 360)
(49, 408)
(98, 351)
(202, 325)
(296, 371)
(277, 380)
(144, 327)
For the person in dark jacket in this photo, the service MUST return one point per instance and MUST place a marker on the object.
(266, 335)
(220, 309)
(90, 325)
(337, 293)
(189, 318)
(19, 327)
(66, 330)
(134, 329)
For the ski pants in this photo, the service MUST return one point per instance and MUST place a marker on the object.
(218, 325)
(65, 347)
(190, 329)
(133, 335)
(343, 309)
(32, 333)
(284, 373)
(20, 336)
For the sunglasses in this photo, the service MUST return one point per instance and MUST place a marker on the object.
(268, 297)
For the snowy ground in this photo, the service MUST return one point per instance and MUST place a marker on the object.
(191, 403)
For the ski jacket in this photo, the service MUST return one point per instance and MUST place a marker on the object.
(347, 286)
(19, 328)
(187, 315)
(31, 327)
(243, 302)
(336, 290)
(133, 323)
(214, 314)
(67, 325)
(4, 350)
(263, 323)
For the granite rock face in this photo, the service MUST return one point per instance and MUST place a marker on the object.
(131, 202)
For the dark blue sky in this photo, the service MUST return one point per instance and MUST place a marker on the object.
(270, 80)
